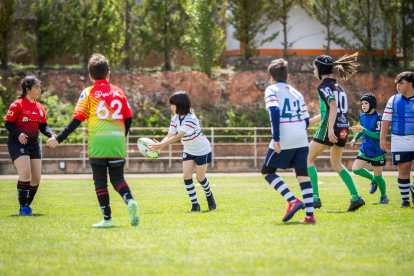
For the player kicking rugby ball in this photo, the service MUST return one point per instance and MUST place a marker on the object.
(289, 146)
(370, 151)
(109, 117)
(399, 113)
(184, 126)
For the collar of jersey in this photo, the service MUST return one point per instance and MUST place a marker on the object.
(181, 120)
(281, 82)
(27, 100)
(100, 82)
(405, 98)
(328, 79)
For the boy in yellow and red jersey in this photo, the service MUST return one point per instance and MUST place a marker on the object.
(109, 117)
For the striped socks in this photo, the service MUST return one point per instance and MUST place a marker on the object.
(206, 186)
(280, 186)
(189, 185)
(103, 198)
(307, 193)
(404, 186)
(32, 193)
(125, 192)
(23, 188)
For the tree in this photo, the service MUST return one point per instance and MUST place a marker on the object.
(399, 14)
(49, 31)
(206, 34)
(320, 10)
(164, 23)
(98, 28)
(249, 19)
(7, 9)
(361, 18)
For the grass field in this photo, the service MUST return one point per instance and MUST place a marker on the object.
(244, 236)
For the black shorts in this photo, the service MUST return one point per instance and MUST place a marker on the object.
(340, 132)
(108, 162)
(16, 149)
(379, 163)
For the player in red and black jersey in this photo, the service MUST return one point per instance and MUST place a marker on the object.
(24, 119)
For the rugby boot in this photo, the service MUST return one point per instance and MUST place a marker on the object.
(384, 200)
(195, 208)
(133, 212)
(405, 204)
(317, 204)
(309, 220)
(105, 223)
(374, 187)
(412, 191)
(25, 211)
(356, 204)
(211, 202)
(292, 209)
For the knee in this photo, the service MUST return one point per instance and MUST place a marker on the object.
(25, 174)
(200, 179)
(188, 176)
(35, 181)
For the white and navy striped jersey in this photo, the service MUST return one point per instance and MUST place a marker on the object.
(194, 141)
(293, 112)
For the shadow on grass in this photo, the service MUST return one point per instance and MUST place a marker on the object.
(33, 215)
(337, 212)
(289, 223)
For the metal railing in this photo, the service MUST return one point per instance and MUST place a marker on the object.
(213, 137)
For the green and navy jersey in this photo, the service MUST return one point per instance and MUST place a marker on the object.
(372, 122)
(331, 89)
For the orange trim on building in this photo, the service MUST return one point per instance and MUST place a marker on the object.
(302, 52)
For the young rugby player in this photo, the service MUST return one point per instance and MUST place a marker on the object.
(197, 149)
(333, 131)
(109, 117)
(24, 119)
(289, 119)
(399, 114)
(370, 151)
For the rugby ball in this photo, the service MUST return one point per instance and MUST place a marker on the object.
(145, 150)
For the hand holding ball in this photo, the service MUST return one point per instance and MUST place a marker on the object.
(144, 148)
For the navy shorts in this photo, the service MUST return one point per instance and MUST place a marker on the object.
(290, 158)
(200, 160)
(402, 157)
(16, 149)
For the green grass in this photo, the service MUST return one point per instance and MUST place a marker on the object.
(244, 236)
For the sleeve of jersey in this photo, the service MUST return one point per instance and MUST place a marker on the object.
(173, 126)
(388, 110)
(44, 115)
(270, 99)
(325, 95)
(305, 113)
(13, 112)
(81, 112)
(128, 110)
(188, 126)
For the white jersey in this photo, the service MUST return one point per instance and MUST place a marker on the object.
(194, 141)
(293, 112)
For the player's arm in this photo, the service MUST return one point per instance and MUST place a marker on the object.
(315, 120)
(45, 129)
(54, 141)
(11, 117)
(275, 115)
(165, 142)
(333, 109)
(128, 123)
(383, 136)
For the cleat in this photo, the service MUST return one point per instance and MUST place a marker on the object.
(211, 202)
(317, 204)
(30, 208)
(309, 220)
(196, 208)
(356, 204)
(384, 200)
(105, 224)
(25, 211)
(412, 191)
(133, 212)
(292, 209)
(405, 204)
(374, 188)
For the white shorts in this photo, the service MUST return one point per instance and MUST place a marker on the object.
(401, 143)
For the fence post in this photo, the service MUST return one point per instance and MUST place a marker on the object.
(169, 156)
(212, 147)
(255, 147)
(127, 151)
(84, 149)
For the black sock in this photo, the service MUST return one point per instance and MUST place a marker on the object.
(23, 188)
(103, 198)
(32, 193)
(124, 190)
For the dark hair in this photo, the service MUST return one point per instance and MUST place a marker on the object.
(98, 67)
(346, 65)
(181, 100)
(27, 83)
(407, 75)
(278, 69)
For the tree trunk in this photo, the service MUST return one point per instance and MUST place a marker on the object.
(285, 50)
(127, 47)
(404, 34)
(328, 29)
(5, 59)
(369, 34)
